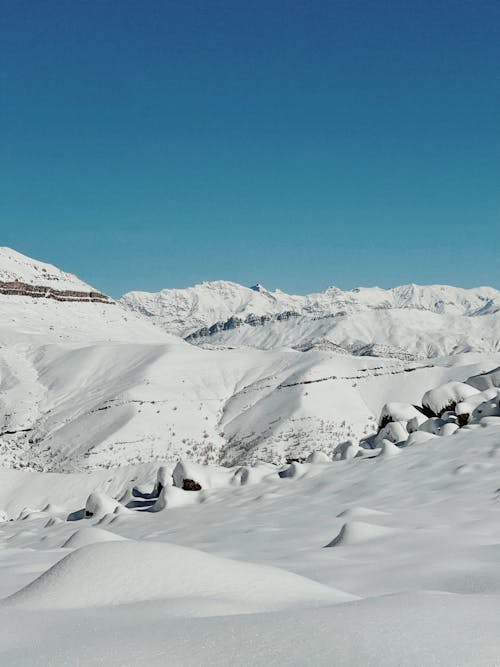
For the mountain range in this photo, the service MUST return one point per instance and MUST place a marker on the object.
(217, 373)
(408, 322)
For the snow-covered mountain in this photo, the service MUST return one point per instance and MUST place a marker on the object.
(403, 322)
(87, 384)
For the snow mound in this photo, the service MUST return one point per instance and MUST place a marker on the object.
(487, 409)
(90, 535)
(195, 583)
(171, 496)
(357, 512)
(419, 437)
(357, 532)
(194, 476)
(318, 457)
(99, 504)
(297, 470)
(389, 449)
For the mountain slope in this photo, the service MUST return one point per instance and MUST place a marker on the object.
(17, 267)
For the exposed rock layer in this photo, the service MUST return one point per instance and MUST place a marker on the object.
(17, 288)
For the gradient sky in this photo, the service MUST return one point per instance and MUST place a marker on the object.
(298, 144)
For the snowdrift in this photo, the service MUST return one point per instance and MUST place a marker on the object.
(195, 583)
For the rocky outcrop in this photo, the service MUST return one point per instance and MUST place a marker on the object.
(17, 288)
(235, 322)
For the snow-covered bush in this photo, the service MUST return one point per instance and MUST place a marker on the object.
(414, 423)
(464, 409)
(445, 397)
(318, 457)
(393, 431)
(397, 412)
(345, 450)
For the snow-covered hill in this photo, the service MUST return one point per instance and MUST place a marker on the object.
(17, 267)
(411, 320)
(22, 276)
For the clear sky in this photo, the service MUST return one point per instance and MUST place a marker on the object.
(294, 143)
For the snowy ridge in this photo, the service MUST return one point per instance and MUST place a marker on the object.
(183, 311)
(419, 321)
(17, 267)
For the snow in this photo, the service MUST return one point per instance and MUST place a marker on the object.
(98, 504)
(356, 532)
(70, 406)
(415, 538)
(486, 381)
(398, 412)
(91, 535)
(393, 432)
(87, 386)
(406, 322)
(195, 583)
(183, 311)
(441, 398)
(15, 266)
(106, 557)
(389, 449)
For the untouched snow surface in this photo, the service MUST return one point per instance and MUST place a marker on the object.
(418, 552)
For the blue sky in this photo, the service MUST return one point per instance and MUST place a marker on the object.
(297, 144)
